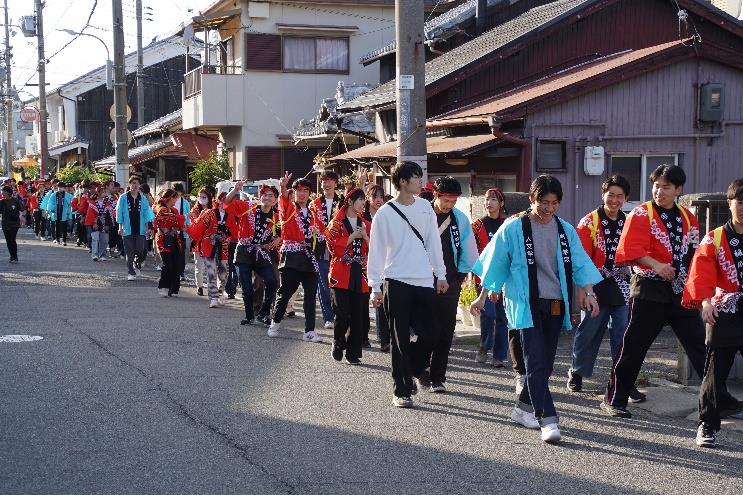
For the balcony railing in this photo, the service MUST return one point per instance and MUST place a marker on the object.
(192, 80)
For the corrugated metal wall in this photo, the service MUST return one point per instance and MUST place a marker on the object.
(660, 103)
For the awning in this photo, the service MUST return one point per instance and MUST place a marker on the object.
(439, 145)
(58, 149)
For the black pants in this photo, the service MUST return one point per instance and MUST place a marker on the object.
(436, 355)
(246, 281)
(230, 286)
(349, 333)
(646, 321)
(713, 394)
(39, 224)
(170, 277)
(10, 235)
(406, 305)
(82, 233)
(60, 230)
(182, 259)
(517, 353)
(290, 280)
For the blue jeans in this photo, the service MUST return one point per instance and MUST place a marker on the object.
(590, 333)
(494, 329)
(245, 272)
(540, 346)
(323, 291)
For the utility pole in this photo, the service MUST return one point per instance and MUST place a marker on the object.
(9, 147)
(411, 83)
(140, 70)
(481, 13)
(120, 125)
(43, 143)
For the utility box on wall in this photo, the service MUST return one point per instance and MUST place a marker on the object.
(593, 160)
(711, 99)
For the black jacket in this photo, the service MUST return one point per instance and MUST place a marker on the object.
(11, 209)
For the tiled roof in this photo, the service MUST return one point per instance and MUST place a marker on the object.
(556, 82)
(164, 123)
(460, 57)
(460, 145)
(442, 27)
(326, 121)
(139, 154)
(179, 145)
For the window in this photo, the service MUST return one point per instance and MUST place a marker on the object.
(551, 155)
(636, 169)
(315, 54)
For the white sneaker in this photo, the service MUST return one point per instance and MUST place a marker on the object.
(273, 329)
(102, 258)
(524, 418)
(520, 382)
(329, 325)
(311, 337)
(220, 300)
(95, 258)
(551, 433)
(163, 292)
(213, 303)
(131, 277)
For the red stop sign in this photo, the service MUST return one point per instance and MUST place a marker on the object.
(28, 114)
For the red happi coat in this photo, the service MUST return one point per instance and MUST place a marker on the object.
(92, 213)
(341, 252)
(713, 274)
(643, 237)
(291, 226)
(82, 204)
(243, 214)
(593, 238)
(33, 203)
(167, 221)
(203, 231)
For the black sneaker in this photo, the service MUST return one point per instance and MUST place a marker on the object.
(575, 381)
(617, 412)
(353, 361)
(635, 396)
(366, 344)
(424, 379)
(291, 314)
(200, 291)
(405, 402)
(246, 321)
(266, 320)
(337, 352)
(385, 347)
(705, 436)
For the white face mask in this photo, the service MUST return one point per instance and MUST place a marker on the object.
(203, 201)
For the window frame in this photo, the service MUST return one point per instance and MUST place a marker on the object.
(564, 143)
(644, 173)
(316, 71)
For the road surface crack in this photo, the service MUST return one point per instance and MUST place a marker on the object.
(183, 410)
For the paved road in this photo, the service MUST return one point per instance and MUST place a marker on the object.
(130, 393)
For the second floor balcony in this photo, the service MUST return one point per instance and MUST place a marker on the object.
(213, 97)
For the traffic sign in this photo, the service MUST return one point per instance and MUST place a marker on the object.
(29, 114)
(112, 113)
(112, 136)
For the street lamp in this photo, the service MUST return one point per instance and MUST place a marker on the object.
(109, 65)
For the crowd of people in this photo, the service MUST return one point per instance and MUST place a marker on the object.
(408, 257)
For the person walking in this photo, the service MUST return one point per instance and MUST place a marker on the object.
(204, 201)
(659, 239)
(404, 256)
(459, 253)
(183, 206)
(100, 219)
(10, 210)
(533, 262)
(301, 228)
(134, 216)
(599, 232)
(715, 284)
(326, 205)
(348, 241)
(34, 204)
(168, 224)
(374, 200)
(257, 239)
(59, 208)
(493, 323)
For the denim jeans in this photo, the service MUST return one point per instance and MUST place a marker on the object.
(323, 291)
(494, 329)
(590, 333)
(245, 272)
(540, 346)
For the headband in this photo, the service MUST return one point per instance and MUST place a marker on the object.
(438, 194)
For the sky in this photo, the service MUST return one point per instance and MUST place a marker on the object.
(85, 53)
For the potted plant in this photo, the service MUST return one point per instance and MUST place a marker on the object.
(467, 296)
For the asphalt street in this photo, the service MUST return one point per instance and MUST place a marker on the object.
(131, 393)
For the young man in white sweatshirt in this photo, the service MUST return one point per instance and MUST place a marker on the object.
(404, 255)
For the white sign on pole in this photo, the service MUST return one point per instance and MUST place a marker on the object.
(406, 81)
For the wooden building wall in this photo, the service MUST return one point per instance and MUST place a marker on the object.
(661, 103)
(162, 96)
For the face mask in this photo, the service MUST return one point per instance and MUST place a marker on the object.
(203, 201)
